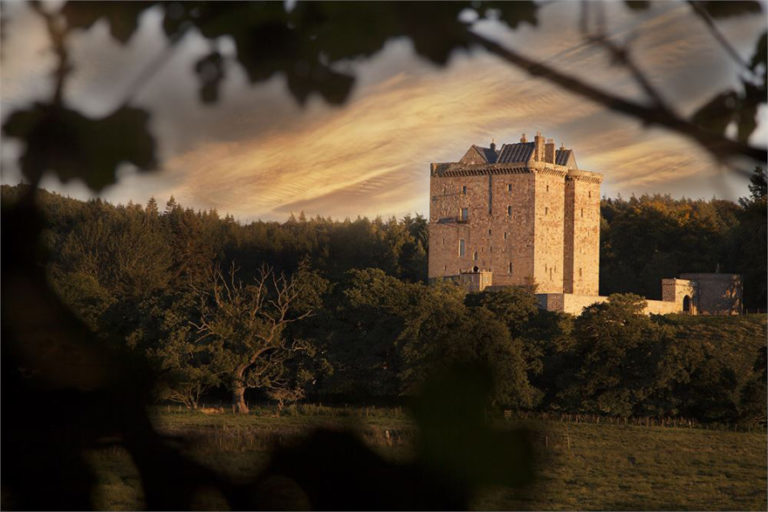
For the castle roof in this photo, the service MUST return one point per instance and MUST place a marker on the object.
(519, 152)
(566, 157)
(489, 154)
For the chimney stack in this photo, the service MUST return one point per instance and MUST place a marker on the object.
(523, 139)
(549, 151)
(493, 145)
(538, 152)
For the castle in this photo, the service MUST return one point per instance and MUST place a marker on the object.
(525, 214)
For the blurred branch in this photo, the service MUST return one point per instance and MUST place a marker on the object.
(621, 55)
(707, 19)
(153, 66)
(718, 146)
(57, 31)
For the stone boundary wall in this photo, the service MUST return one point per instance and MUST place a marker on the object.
(574, 304)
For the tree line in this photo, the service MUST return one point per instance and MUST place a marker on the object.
(329, 310)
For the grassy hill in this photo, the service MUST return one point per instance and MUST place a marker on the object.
(582, 466)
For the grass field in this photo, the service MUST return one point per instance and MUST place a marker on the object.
(582, 466)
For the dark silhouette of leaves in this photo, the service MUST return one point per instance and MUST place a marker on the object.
(717, 112)
(123, 17)
(210, 70)
(728, 9)
(637, 5)
(71, 145)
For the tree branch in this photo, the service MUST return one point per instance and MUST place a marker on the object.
(710, 24)
(718, 146)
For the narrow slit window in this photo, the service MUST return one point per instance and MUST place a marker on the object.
(546, 210)
(475, 256)
(582, 212)
(505, 235)
(464, 189)
(462, 248)
(579, 271)
(464, 214)
(547, 188)
(509, 188)
(509, 211)
(510, 267)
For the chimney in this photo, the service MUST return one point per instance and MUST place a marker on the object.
(549, 151)
(523, 139)
(538, 152)
(493, 145)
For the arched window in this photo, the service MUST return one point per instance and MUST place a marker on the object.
(686, 304)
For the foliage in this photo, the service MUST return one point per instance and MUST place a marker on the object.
(377, 333)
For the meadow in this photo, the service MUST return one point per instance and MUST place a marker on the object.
(584, 466)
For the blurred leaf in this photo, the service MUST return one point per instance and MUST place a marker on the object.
(727, 9)
(210, 70)
(637, 5)
(717, 112)
(73, 146)
(123, 17)
(746, 117)
(456, 438)
(759, 56)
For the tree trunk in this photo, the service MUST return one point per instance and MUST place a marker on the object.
(238, 396)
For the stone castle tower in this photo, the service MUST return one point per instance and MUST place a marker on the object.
(517, 215)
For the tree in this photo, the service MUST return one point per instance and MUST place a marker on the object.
(614, 359)
(243, 326)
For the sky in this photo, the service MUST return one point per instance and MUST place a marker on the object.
(256, 154)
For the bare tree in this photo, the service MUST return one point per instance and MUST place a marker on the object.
(243, 324)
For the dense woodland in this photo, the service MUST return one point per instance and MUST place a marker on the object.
(340, 310)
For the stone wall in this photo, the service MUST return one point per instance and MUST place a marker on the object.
(582, 233)
(717, 294)
(574, 304)
(549, 202)
(498, 229)
(681, 292)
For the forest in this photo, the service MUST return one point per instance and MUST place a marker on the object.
(340, 311)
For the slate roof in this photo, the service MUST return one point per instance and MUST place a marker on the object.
(489, 154)
(566, 157)
(520, 152)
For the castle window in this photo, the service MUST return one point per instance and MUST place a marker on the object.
(509, 188)
(464, 189)
(579, 271)
(489, 232)
(589, 194)
(582, 212)
(546, 210)
(464, 215)
(510, 267)
(505, 235)
(475, 256)
(462, 249)
(509, 211)
(547, 188)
